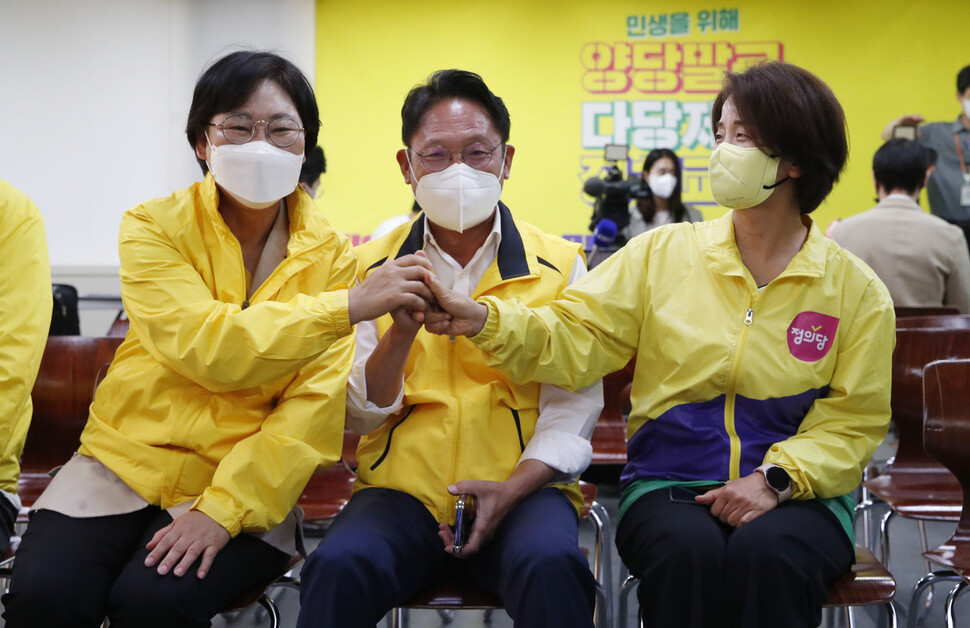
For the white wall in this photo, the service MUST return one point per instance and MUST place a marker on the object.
(93, 101)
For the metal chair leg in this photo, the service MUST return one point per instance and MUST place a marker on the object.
(602, 562)
(629, 585)
(928, 580)
(893, 619)
(271, 609)
(884, 536)
(951, 598)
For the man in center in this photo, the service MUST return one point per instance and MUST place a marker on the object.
(437, 422)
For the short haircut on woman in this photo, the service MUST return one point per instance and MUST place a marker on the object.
(229, 82)
(789, 112)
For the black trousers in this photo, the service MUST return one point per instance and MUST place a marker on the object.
(75, 572)
(8, 520)
(698, 572)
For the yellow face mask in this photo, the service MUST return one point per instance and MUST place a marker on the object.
(742, 176)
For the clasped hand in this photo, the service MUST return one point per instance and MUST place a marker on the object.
(407, 288)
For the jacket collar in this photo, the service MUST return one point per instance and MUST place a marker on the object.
(307, 223)
(721, 249)
(898, 202)
(957, 127)
(511, 260)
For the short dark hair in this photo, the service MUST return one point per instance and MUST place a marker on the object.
(229, 82)
(963, 80)
(446, 85)
(791, 113)
(900, 164)
(314, 166)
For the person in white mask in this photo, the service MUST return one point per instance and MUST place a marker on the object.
(948, 189)
(437, 422)
(662, 176)
(761, 384)
(228, 391)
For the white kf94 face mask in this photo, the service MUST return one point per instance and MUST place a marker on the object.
(459, 197)
(256, 174)
(662, 185)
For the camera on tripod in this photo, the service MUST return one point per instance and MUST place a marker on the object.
(613, 194)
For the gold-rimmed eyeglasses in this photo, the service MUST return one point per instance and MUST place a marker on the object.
(282, 132)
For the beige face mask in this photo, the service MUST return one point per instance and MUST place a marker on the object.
(742, 176)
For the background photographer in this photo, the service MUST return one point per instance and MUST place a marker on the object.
(662, 205)
(656, 194)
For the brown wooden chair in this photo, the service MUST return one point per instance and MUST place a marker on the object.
(903, 312)
(458, 593)
(867, 583)
(946, 436)
(913, 484)
(62, 394)
(946, 321)
(609, 434)
(119, 326)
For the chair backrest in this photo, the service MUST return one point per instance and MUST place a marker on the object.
(946, 321)
(915, 348)
(62, 396)
(946, 424)
(903, 312)
(616, 392)
(64, 319)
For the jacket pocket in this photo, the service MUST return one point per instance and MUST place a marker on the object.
(390, 434)
(518, 427)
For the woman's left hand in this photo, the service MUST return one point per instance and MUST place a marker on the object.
(739, 501)
(183, 540)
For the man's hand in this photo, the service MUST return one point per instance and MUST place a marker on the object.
(912, 119)
(398, 283)
(179, 543)
(494, 500)
(740, 501)
(455, 314)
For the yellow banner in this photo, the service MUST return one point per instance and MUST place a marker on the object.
(577, 76)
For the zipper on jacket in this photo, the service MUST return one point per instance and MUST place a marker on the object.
(245, 304)
(452, 358)
(387, 445)
(734, 461)
(518, 427)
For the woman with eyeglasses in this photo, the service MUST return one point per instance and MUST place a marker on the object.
(762, 377)
(228, 391)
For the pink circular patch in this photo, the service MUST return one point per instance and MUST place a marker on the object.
(811, 335)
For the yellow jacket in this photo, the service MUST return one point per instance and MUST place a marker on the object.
(25, 305)
(461, 419)
(231, 406)
(727, 376)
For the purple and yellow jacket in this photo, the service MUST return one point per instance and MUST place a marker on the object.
(728, 376)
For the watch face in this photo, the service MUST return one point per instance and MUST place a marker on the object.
(778, 479)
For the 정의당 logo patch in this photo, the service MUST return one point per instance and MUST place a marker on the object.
(811, 335)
